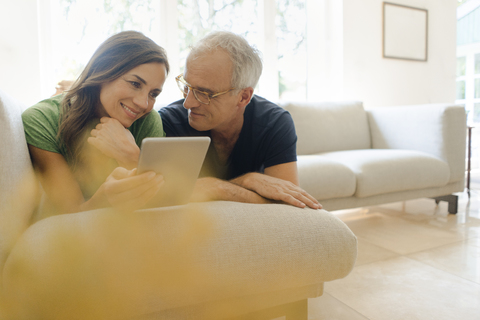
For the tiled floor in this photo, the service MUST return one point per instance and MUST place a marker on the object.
(415, 261)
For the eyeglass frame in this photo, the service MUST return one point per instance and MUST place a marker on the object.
(180, 79)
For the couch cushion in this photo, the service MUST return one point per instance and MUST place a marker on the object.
(324, 178)
(335, 126)
(441, 126)
(380, 171)
(17, 186)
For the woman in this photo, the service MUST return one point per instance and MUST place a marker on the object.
(84, 143)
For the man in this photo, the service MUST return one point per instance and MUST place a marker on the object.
(252, 156)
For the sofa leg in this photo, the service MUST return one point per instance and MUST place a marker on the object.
(291, 311)
(452, 202)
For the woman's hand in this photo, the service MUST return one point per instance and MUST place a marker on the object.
(115, 141)
(126, 191)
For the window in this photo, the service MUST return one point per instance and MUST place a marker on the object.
(477, 63)
(80, 27)
(461, 71)
(461, 61)
(477, 88)
(468, 85)
(292, 52)
(476, 113)
(197, 18)
(461, 90)
(276, 27)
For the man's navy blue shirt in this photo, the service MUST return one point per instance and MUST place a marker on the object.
(267, 138)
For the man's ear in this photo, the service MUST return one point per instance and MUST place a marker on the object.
(245, 97)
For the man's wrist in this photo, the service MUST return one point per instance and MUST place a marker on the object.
(245, 180)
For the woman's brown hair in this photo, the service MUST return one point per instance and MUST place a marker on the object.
(117, 55)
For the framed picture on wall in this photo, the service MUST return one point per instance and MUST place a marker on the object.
(405, 32)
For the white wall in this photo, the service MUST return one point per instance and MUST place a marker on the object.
(19, 52)
(377, 81)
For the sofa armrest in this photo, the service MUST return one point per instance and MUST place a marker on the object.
(18, 186)
(104, 264)
(437, 129)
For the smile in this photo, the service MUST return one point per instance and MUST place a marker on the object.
(129, 111)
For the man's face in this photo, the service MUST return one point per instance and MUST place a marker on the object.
(212, 73)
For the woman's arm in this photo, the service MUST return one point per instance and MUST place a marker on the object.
(122, 189)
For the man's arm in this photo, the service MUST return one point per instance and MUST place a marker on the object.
(280, 182)
(211, 189)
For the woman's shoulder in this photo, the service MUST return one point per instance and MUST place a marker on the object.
(48, 109)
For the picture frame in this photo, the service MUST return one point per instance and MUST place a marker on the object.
(405, 32)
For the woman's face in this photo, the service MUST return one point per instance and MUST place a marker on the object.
(133, 95)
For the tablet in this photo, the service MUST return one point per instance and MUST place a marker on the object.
(179, 160)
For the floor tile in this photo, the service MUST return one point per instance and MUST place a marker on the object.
(402, 288)
(461, 259)
(369, 252)
(399, 235)
(327, 307)
(422, 211)
(423, 207)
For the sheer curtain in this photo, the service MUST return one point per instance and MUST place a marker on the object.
(287, 32)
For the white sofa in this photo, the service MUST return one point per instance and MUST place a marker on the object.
(351, 157)
(202, 261)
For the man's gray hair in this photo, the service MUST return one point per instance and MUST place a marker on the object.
(247, 65)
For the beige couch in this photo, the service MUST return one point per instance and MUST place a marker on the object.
(205, 261)
(351, 157)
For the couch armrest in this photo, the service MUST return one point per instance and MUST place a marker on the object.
(17, 180)
(437, 129)
(104, 264)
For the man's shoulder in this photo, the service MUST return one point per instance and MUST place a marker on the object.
(175, 120)
(264, 112)
(263, 103)
(174, 112)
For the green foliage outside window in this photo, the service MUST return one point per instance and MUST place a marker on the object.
(291, 32)
(477, 88)
(83, 24)
(460, 90)
(196, 18)
(461, 61)
(476, 113)
(477, 63)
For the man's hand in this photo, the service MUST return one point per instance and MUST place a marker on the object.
(277, 189)
(126, 191)
(115, 141)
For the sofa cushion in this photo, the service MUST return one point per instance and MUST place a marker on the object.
(380, 171)
(325, 127)
(17, 186)
(324, 178)
(442, 128)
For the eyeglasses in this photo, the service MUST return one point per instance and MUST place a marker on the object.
(201, 96)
